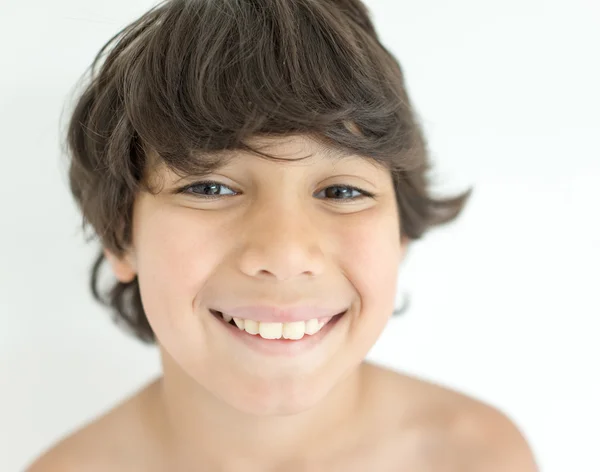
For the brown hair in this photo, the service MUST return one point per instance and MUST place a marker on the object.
(194, 78)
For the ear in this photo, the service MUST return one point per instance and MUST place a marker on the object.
(123, 267)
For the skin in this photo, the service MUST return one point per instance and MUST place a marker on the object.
(275, 237)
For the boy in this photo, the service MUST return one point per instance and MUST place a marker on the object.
(204, 154)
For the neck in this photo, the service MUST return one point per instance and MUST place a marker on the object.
(203, 432)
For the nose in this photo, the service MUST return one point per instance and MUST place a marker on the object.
(282, 242)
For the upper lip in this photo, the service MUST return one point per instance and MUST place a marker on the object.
(273, 314)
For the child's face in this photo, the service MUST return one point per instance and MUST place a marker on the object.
(276, 235)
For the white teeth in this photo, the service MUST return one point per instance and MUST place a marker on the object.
(251, 326)
(270, 330)
(293, 330)
(312, 326)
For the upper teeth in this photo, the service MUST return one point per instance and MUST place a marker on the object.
(293, 330)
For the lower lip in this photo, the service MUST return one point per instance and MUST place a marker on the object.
(281, 347)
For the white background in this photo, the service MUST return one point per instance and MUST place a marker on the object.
(505, 300)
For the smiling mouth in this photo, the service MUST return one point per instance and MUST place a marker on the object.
(292, 331)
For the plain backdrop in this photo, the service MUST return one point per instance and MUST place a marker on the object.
(505, 301)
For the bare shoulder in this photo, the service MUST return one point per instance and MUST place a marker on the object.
(84, 450)
(108, 442)
(492, 439)
(449, 429)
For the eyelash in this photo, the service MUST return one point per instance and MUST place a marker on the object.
(186, 190)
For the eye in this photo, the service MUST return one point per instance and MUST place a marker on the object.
(206, 190)
(198, 189)
(341, 190)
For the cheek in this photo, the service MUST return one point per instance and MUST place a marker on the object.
(174, 255)
(374, 258)
(373, 254)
